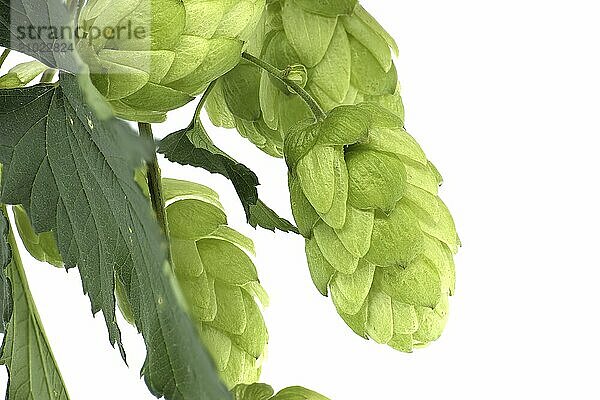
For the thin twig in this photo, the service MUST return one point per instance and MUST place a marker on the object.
(48, 75)
(203, 100)
(3, 56)
(153, 176)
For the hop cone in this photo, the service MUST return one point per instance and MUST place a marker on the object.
(41, 246)
(378, 237)
(336, 50)
(261, 391)
(148, 57)
(217, 278)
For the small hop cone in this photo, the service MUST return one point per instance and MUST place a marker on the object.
(218, 280)
(261, 391)
(348, 63)
(378, 238)
(41, 246)
(153, 56)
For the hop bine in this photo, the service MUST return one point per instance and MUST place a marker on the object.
(148, 57)
(217, 278)
(349, 61)
(378, 237)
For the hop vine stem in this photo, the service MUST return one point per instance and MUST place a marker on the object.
(300, 91)
(153, 177)
(3, 56)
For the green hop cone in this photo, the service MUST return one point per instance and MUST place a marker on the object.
(336, 50)
(378, 238)
(261, 391)
(41, 246)
(217, 279)
(148, 57)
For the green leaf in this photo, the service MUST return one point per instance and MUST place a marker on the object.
(26, 353)
(192, 146)
(261, 215)
(74, 174)
(50, 13)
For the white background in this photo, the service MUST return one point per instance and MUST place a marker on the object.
(505, 99)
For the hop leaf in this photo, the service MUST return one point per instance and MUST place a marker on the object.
(346, 56)
(161, 53)
(378, 237)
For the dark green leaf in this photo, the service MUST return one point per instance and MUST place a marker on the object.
(75, 176)
(16, 18)
(263, 216)
(32, 370)
(192, 146)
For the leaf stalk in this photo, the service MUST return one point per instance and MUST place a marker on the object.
(3, 56)
(153, 176)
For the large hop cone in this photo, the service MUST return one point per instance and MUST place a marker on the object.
(336, 50)
(261, 391)
(217, 279)
(378, 237)
(148, 57)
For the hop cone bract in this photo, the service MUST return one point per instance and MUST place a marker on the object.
(261, 391)
(148, 57)
(336, 50)
(378, 237)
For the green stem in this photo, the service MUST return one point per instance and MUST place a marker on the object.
(203, 100)
(278, 74)
(48, 75)
(3, 56)
(153, 176)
